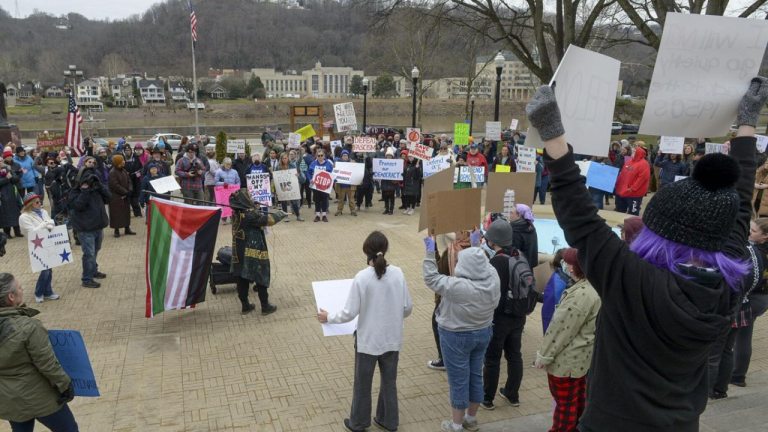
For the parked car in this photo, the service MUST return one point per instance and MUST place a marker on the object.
(426, 138)
(211, 139)
(270, 96)
(170, 138)
(289, 95)
(616, 128)
(507, 134)
(630, 129)
(100, 142)
(376, 130)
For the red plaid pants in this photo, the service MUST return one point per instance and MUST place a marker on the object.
(570, 394)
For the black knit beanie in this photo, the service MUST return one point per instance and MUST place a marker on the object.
(699, 211)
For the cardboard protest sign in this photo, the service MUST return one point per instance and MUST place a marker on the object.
(513, 125)
(461, 134)
(714, 148)
(322, 180)
(345, 117)
(69, 347)
(435, 165)
(49, 249)
(503, 168)
(672, 145)
(236, 146)
(332, 296)
(387, 169)
(50, 142)
(703, 68)
(586, 86)
(762, 142)
(453, 210)
(542, 273)
(222, 197)
(294, 140)
(440, 181)
(287, 185)
(602, 177)
(364, 145)
(420, 151)
(493, 131)
(526, 159)
(523, 184)
(260, 188)
(463, 174)
(349, 173)
(306, 132)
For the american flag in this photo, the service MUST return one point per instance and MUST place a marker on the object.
(193, 21)
(73, 136)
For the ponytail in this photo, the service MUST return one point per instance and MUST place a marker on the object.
(375, 247)
(380, 265)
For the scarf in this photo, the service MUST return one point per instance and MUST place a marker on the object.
(462, 242)
(39, 213)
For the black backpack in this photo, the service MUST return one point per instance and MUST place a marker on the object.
(521, 295)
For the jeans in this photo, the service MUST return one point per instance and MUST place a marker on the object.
(90, 242)
(61, 421)
(507, 339)
(743, 347)
(194, 195)
(629, 205)
(721, 362)
(463, 354)
(597, 197)
(386, 409)
(542, 190)
(43, 286)
(295, 204)
(364, 193)
(322, 201)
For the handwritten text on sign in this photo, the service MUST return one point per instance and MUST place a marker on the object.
(526, 159)
(345, 117)
(287, 185)
(364, 145)
(260, 188)
(671, 145)
(350, 173)
(294, 140)
(388, 169)
(420, 151)
(69, 347)
(462, 174)
(461, 133)
(236, 146)
(493, 131)
(435, 165)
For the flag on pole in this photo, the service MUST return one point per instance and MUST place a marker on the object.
(73, 137)
(180, 246)
(193, 21)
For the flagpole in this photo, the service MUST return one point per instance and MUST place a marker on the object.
(194, 82)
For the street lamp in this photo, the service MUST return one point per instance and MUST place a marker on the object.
(415, 76)
(499, 62)
(365, 102)
(73, 73)
(471, 113)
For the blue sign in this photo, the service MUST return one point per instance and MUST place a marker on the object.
(69, 347)
(602, 177)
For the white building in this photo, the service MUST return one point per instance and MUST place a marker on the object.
(318, 82)
(88, 91)
(518, 83)
(152, 91)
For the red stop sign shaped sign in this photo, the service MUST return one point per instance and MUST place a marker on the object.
(414, 136)
(323, 181)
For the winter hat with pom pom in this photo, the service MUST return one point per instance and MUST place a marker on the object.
(699, 211)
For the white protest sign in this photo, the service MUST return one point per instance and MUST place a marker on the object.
(321, 180)
(435, 165)
(583, 167)
(762, 142)
(714, 148)
(526, 159)
(462, 174)
(420, 151)
(364, 145)
(287, 185)
(236, 146)
(413, 135)
(703, 68)
(331, 296)
(49, 249)
(165, 184)
(326, 138)
(349, 173)
(678, 178)
(294, 140)
(513, 125)
(260, 188)
(345, 117)
(671, 145)
(387, 169)
(493, 131)
(586, 86)
(334, 144)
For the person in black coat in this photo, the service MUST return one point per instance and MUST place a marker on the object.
(158, 158)
(89, 218)
(133, 167)
(365, 189)
(412, 173)
(243, 166)
(524, 238)
(10, 204)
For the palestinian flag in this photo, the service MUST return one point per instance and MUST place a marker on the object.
(180, 246)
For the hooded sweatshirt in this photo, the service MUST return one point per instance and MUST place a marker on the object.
(635, 178)
(470, 297)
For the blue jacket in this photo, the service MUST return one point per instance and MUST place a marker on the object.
(230, 177)
(29, 177)
(552, 293)
(308, 159)
(311, 172)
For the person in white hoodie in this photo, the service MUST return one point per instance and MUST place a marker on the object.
(464, 320)
(379, 298)
(34, 217)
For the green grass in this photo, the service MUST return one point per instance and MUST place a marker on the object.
(47, 106)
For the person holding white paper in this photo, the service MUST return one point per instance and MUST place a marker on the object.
(379, 298)
(33, 218)
(671, 166)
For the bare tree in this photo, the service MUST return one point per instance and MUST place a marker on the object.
(112, 64)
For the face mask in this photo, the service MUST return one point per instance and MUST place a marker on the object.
(563, 266)
(488, 249)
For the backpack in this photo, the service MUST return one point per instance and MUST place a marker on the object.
(521, 296)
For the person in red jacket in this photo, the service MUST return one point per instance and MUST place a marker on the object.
(632, 184)
(476, 159)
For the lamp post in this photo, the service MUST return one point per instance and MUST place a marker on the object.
(73, 73)
(415, 76)
(365, 103)
(471, 113)
(499, 62)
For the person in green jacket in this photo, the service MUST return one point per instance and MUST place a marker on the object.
(33, 386)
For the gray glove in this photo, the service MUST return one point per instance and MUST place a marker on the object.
(544, 114)
(752, 102)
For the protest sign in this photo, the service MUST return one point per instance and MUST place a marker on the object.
(236, 146)
(294, 140)
(287, 185)
(420, 151)
(678, 178)
(435, 165)
(345, 117)
(222, 197)
(526, 159)
(306, 132)
(387, 169)
(326, 138)
(413, 135)
(440, 181)
(260, 188)
(322, 180)
(364, 145)
(453, 210)
(672, 145)
(503, 168)
(523, 184)
(513, 125)
(50, 142)
(461, 134)
(762, 142)
(69, 347)
(714, 148)
(464, 175)
(602, 177)
(583, 167)
(349, 173)
(165, 184)
(49, 249)
(586, 88)
(703, 68)
(541, 274)
(334, 144)
(331, 296)
(493, 131)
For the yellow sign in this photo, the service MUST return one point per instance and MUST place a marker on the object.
(306, 132)
(503, 168)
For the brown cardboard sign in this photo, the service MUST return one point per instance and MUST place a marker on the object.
(522, 183)
(542, 273)
(442, 181)
(453, 210)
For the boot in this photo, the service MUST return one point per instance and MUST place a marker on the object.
(248, 308)
(268, 309)
(129, 232)
(17, 231)
(117, 233)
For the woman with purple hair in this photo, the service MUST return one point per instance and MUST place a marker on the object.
(667, 302)
(524, 234)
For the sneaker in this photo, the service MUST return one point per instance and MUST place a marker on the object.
(386, 212)
(390, 213)
(99, 275)
(488, 405)
(39, 299)
(405, 212)
(470, 425)
(366, 209)
(447, 426)
(354, 213)
(51, 297)
(378, 423)
(249, 308)
(325, 219)
(338, 213)
(286, 220)
(513, 402)
(436, 364)
(317, 218)
(349, 428)
(738, 383)
(299, 218)
(715, 395)
(91, 284)
(268, 309)
(410, 212)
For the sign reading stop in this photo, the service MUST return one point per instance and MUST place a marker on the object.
(413, 135)
(322, 181)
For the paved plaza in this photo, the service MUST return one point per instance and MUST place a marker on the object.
(212, 369)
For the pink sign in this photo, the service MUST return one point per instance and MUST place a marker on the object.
(222, 197)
